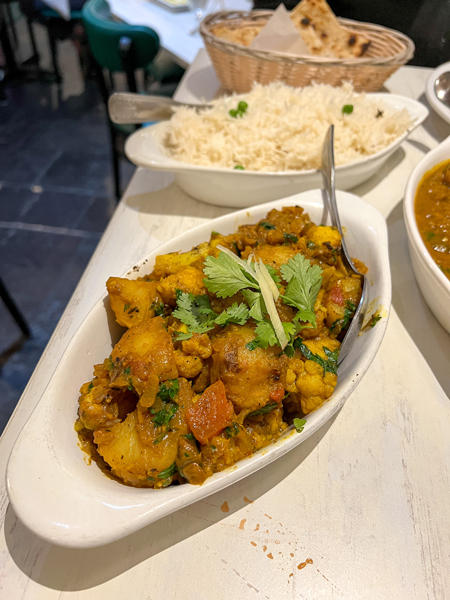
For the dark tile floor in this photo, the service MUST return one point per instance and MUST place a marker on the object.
(55, 201)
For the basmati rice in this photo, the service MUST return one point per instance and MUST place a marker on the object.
(283, 128)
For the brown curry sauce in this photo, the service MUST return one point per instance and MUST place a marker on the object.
(432, 211)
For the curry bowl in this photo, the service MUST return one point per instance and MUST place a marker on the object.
(433, 284)
(236, 188)
(63, 499)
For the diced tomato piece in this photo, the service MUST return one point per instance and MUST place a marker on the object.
(211, 413)
(277, 393)
(337, 296)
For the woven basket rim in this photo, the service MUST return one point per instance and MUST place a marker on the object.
(399, 58)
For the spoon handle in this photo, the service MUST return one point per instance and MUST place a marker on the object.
(328, 177)
(130, 108)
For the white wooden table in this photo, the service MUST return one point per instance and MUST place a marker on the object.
(366, 500)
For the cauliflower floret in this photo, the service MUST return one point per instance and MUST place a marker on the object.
(198, 345)
(187, 280)
(188, 366)
(324, 235)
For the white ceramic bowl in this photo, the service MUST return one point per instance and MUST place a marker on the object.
(227, 187)
(433, 284)
(68, 502)
(439, 107)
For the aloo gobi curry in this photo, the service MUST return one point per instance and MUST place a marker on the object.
(226, 346)
(432, 208)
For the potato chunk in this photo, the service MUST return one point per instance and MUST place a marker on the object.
(169, 264)
(133, 301)
(124, 449)
(144, 350)
(252, 378)
(188, 280)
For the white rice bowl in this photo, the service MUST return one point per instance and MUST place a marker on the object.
(283, 128)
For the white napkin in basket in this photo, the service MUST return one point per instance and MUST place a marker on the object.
(280, 35)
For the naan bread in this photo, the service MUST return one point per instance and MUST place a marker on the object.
(322, 32)
(238, 34)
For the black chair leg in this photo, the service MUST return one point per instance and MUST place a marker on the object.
(12, 25)
(116, 165)
(35, 58)
(54, 54)
(14, 310)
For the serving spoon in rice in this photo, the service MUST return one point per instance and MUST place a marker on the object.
(127, 108)
(329, 195)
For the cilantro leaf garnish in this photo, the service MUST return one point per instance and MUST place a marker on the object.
(168, 472)
(374, 320)
(232, 430)
(264, 410)
(330, 364)
(266, 225)
(299, 424)
(349, 311)
(236, 313)
(168, 389)
(158, 308)
(225, 277)
(290, 238)
(266, 336)
(304, 281)
(256, 304)
(164, 415)
(195, 312)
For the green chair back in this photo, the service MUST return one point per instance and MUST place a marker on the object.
(104, 35)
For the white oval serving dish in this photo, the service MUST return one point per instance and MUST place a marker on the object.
(68, 502)
(227, 187)
(433, 284)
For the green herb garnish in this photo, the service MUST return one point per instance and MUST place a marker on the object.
(189, 436)
(330, 364)
(266, 336)
(195, 312)
(126, 307)
(127, 370)
(164, 415)
(289, 238)
(168, 389)
(266, 225)
(168, 472)
(158, 308)
(347, 109)
(232, 430)
(299, 424)
(239, 168)
(374, 320)
(91, 385)
(430, 235)
(236, 313)
(264, 410)
(304, 281)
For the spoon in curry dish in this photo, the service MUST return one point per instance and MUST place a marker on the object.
(329, 195)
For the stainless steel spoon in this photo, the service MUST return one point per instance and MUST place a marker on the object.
(331, 205)
(137, 108)
(442, 87)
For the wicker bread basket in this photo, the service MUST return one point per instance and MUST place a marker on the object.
(238, 67)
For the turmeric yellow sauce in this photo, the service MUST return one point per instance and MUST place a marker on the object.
(224, 347)
(432, 210)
